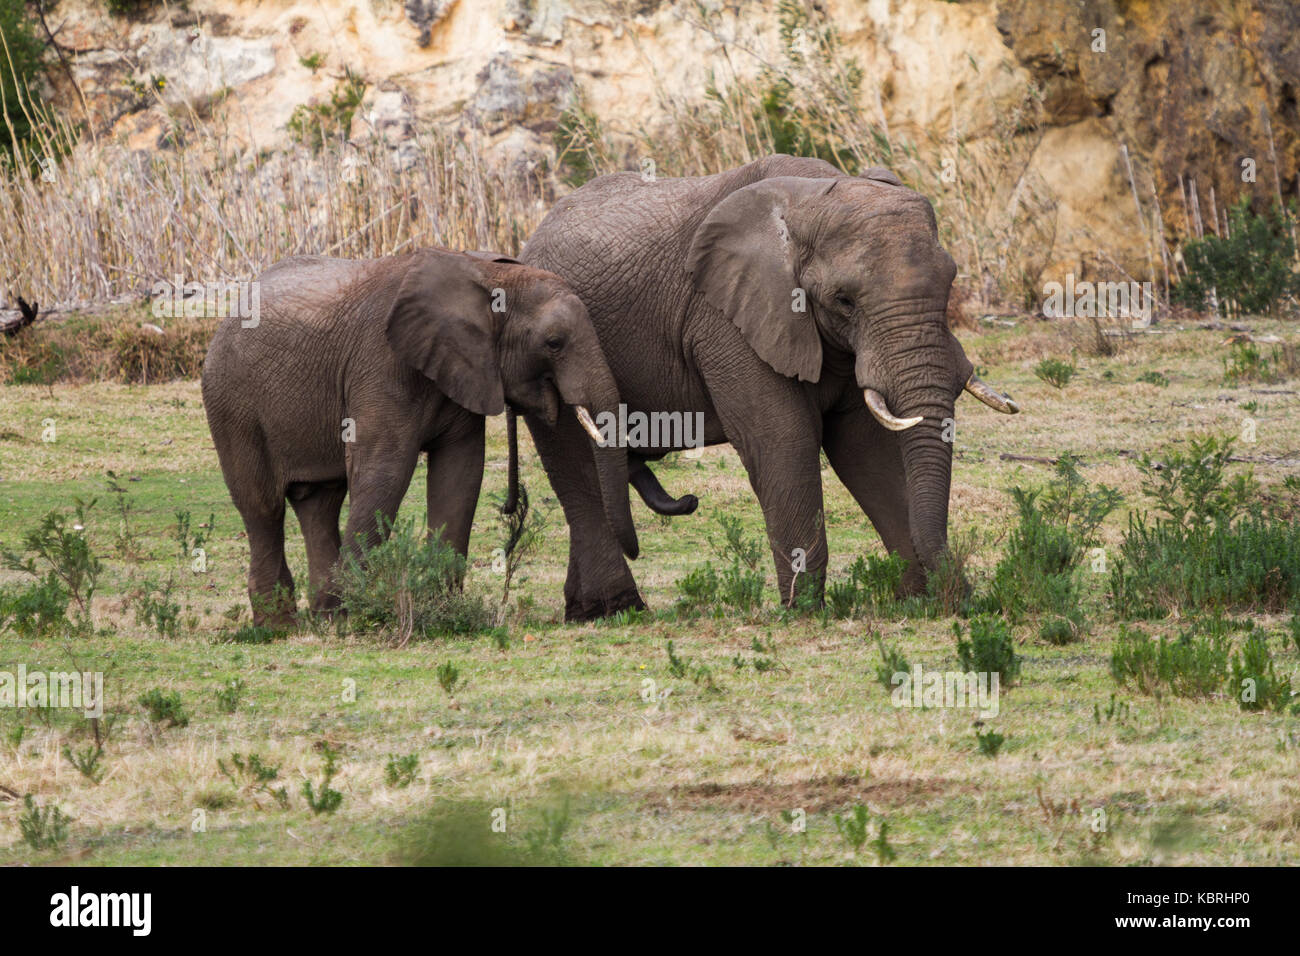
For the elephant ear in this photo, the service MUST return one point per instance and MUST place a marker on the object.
(745, 263)
(881, 175)
(442, 324)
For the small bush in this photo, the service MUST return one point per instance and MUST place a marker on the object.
(156, 609)
(57, 549)
(43, 828)
(229, 696)
(448, 675)
(738, 587)
(1056, 526)
(36, 611)
(400, 772)
(1194, 665)
(164, 710)
(313, 124)
(409, 585)
(892, 662)
(1063, 629)
(1213, 543)
(254, 634)
(1154, 378)
(1246, 363)
(990, 649)
(873, 582)
(324, 799)
(1254, 678)
(1250, 271)
(989, 743)
(1055, 372)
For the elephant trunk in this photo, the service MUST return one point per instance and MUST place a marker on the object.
(600, 394)
(512, 453)
(920, 397)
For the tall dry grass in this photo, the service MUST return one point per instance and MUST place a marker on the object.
(114, 221)
(106, 223)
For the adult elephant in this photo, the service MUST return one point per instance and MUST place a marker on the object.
(352, 368)
(798, 309)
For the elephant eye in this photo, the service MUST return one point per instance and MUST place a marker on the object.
(844, 301)
(555, 342)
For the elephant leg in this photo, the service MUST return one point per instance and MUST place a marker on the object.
(599, 581)
(778, 436)
(866, 457)
(270, 584)
(454, 481)
(377, 481)
(317, 506)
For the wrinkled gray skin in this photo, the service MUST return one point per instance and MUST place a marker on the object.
(410, 349)
(691, 286)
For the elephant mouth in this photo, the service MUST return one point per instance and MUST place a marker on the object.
(551, 401)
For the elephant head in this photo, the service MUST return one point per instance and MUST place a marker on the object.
(489, 331)
(853, 265)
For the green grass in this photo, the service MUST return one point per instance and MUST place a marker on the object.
(560, 731)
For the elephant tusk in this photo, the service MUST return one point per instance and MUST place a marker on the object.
(991, 396)
(589, 425)
(876, 403)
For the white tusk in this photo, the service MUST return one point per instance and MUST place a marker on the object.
(876, 402)
(991, 396)
(588, 424)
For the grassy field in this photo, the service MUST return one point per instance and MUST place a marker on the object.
(559, 738)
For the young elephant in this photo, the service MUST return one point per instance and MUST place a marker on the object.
(352, 368)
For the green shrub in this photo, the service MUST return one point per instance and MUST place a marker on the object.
(229, 695)
(324, 799)
(36, 611)
(164, 710)
(400, 772)
(1191, 487)
(254, 634)
(989, 743)
(1254, 678)
(1055, 372)
(156, 609)
(740, 584)
(1254, 563)
(1212, 544)
(1246, 363)
(1250, 270)
(448, 675)
(873, 583)
(313, 124)
(43, 828)
(58, 550)
(1056, 525)
(1062, 629)
(1193, 665)
(892, 662)
(990, 649)
(409, 585)
(1154, 378)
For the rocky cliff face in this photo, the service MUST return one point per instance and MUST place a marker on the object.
(1173, 91)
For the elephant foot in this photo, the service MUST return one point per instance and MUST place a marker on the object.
(591, 609)
(913, 583)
